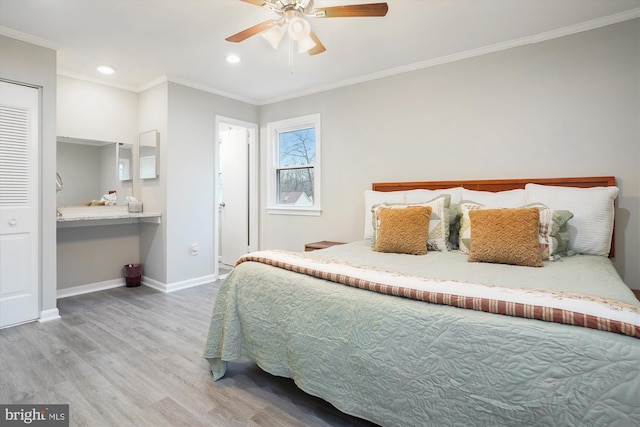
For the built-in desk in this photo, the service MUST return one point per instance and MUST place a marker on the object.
(89, 216)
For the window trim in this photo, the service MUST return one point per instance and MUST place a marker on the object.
(288, 125)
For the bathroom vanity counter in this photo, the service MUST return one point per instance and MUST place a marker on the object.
(87, 216)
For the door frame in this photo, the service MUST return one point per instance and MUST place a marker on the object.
(253, 185)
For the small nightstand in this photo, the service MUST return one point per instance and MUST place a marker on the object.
(320, 245)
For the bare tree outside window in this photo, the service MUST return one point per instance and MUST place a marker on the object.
(296, 160)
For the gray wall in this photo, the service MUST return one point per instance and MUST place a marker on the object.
(190, 193)
(560, 108)
(35, 65)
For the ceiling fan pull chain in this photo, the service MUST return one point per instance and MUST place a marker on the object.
(291, 56)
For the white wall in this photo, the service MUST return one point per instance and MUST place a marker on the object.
(35, 65)
(564, 107)
(93, 111)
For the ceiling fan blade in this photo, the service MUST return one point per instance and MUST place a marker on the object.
(318, 48)
(251, 31)
(354, 10)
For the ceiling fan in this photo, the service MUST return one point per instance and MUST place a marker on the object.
(291, 20)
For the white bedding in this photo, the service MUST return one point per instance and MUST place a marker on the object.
(569, 274)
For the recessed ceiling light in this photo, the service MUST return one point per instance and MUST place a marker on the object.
(233, 59)
(105, 69)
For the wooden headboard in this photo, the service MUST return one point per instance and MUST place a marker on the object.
(501, 185)
(496, 184)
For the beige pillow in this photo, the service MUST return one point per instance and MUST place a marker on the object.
(403, 231)
(506, 236)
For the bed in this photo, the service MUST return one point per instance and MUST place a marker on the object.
(434, 339)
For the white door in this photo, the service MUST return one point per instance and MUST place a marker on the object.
(234, 193)
(19, 232)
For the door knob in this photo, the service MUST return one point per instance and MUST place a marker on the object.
(222, 204)
(13, 222)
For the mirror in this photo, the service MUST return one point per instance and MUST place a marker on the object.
(91, 169)
(148, 152)
(125, 162)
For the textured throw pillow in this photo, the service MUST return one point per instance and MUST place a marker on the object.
(591, 227)
(552, 230)
(506, 236)
(438, 222)
(403, 231)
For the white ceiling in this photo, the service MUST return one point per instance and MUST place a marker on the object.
(149, 41)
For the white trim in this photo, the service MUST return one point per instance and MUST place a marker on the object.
(276, 210)
(273, 129)
(89, 288)
(185, 284)
(48, 315)
(18, 35)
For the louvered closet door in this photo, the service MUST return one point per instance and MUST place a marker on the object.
(19, 231)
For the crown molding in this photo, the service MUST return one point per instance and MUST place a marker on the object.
(523, 41)
(210, 89)
(104, 82)
(49, 44)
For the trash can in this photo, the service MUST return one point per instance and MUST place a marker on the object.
(133, 275)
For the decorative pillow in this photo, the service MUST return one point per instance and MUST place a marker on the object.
(372, 198)
(464, 231)
(506, 236)
(591, 227)
(552, 233)
(553, 236)
(454, 226)
(500, 199)
(438, 224)
(403, 231)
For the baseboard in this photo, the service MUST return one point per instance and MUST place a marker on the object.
(48, 315)
(152, 283)
(91, 287)
(172, 287)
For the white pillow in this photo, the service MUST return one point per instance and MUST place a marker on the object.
(591, 227)
(421, 196)
(501, 199)
(372, 198)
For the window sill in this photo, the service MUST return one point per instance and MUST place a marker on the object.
(310, 211)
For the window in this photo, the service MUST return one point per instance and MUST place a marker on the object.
(294, 178)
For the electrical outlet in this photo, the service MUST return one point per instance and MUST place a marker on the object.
(195, 248)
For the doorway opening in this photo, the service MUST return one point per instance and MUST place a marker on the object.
(236, 192)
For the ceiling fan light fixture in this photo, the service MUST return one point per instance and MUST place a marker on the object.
(274, 35)
(305, 44)
(299, 28)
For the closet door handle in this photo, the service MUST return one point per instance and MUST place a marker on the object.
(13, 222)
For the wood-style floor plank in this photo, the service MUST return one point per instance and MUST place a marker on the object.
(133, 356)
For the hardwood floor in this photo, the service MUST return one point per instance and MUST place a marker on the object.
(133, 357)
